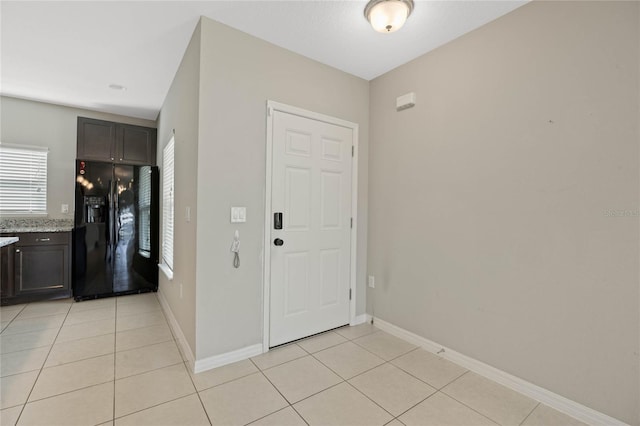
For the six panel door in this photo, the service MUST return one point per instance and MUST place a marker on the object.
(311, 187)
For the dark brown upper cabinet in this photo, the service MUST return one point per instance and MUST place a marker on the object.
(96, 139)
(116, 142)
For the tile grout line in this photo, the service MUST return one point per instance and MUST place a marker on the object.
(277, 411)
(41, 368)
(359, 374)
(413, 406)
(50, 349)
(328, 347)
(10, 322)
(152, 406)
(278, 390)
(338, 375)
(530, 413)
(115, 348)
(149, 371)
(65, 393)
(228, 381)
(82, 338)
(366, 396)
(5, 333)
(342, 380)
(442, 387)
(22, 372)
(307, 353)
(89, 357)
(20, 310)
(386, 362)
(347, 380)
(275, 365)
(427, 383)
(437, 390)
(460, 402)
(299, 414)
(173, 339)
(368, 370)
(52, 366)
(206, 413)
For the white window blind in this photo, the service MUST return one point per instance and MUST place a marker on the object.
(23, 179)
(144, 211)
(167, 203)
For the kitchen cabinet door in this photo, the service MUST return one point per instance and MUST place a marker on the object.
(41, 268)
(43, 265)
(100, 140)
(96, 140)
(135, 145)
(7, 286)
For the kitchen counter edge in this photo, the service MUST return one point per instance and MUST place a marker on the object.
(36, 229)
(6, 241)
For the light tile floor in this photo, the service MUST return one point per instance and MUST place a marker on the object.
(115, 362)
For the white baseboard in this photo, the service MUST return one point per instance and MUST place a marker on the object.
(560, 403)
(177, 331)
(227, 358)
(360, 319)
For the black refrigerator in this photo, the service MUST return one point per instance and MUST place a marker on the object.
(115, 237)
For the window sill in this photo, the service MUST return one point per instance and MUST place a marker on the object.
(166, 270)
(17, 215)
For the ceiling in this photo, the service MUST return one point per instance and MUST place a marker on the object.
(69, 53)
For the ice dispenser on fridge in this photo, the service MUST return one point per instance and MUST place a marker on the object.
(95, 209)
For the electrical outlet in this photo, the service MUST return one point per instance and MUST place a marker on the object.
(180, 290)
(372, 281)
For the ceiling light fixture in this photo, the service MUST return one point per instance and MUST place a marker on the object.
(387, 16)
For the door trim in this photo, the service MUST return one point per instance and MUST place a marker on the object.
(266, 247)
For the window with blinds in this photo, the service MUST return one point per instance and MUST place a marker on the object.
(168, 203)
(23, 179)
(144, 211)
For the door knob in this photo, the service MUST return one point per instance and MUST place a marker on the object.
(278, 242)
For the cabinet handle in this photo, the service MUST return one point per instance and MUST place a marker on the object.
(43, 239)
(20, 268)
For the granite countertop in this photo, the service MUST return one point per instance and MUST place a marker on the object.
(16, 225)
(5, 241)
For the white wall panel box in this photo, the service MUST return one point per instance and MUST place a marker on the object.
(405, 101)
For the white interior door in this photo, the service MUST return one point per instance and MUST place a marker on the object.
(311, 187)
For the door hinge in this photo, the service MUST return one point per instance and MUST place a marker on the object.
(349, 294)
(353, 150)
(351, 223)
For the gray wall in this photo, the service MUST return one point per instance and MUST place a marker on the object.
(239, 73)
(488, 202)
(180, 112)
(54, 126)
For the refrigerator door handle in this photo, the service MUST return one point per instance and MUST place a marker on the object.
(111, 219)
(116, 213)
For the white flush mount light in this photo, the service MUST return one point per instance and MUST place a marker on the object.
(387, 16)
(117, 87)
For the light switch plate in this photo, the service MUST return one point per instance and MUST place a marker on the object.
(238, 214)
(64, 208)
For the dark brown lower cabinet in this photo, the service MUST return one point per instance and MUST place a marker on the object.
(7, 274)
(41, 267)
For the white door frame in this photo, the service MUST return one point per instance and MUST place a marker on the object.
(266, 249)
